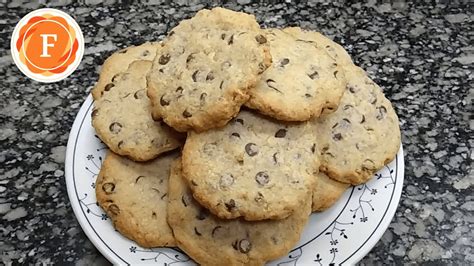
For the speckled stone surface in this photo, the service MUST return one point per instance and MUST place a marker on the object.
(420, 54)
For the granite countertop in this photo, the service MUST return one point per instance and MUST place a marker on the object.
(420, 54)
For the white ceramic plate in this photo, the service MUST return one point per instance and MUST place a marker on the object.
(343, 234)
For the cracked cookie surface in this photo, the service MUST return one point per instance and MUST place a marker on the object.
(253, 167)
(135, 196)
(119, 61)
(362, 135)
(122, 119)
(205, 69)
(302, 81)
(334, 50)
(213, 241)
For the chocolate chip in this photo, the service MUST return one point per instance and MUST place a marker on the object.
(382, 111)
(230, 205)
(373, 98)
(271, 83)
(202, 98)
(197, 232)
(113, 209)
(226, 65)
(259, 198)
(164, 196)
(284, 62)
(313, 148)
(203, 214)
(235, 244)
(235, 134)
(245, 246)
(115, 127)
(226, 180)
(313, 75)
(108, 188)
(95, 112)
(231, 40)
(240, 121)
(368, 165)
(281, 133)
(109, 86)
(194, 76)
(260, 39)
(337, 136)
(164, 59)
(214, 231)
(347, 106)
(220, 85)
(352, 89)
(179, 90)
(345, 123)
(139, 94)
(120, 144)
(251, 149)
(190, 58)
(163, 101)
(261, 67)
(335, 74)
(153, 215)
(210, 76)
(275, 157)
(307, 95)
(363, 119)
(262, 178)
(223, 36)
(138, 178)
(187, 114)
(146, 53)
(185, 199)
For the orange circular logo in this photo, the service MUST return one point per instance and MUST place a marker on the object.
(47, 45)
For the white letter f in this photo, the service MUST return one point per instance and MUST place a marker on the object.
(46, 44)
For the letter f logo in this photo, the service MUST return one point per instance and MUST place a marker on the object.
(47, 45)
(44, 52)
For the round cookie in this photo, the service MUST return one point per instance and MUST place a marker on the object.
(253, 167)
(326, 192)
(213, 241)
(135, 197)
(334, 50)
(205, 69)
(122, 117)
(362, 135)
(119, 61)
(302, 81)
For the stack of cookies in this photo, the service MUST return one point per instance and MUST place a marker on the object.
(226, 136)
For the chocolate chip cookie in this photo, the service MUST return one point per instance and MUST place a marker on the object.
(326, 192)
(302, 81)
(253, 167)
(135, 196)
(205, 69)
(362, 135)
(121, 117)
(119, 61)
(213, 241)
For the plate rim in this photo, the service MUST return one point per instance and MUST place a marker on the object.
(111, 255)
